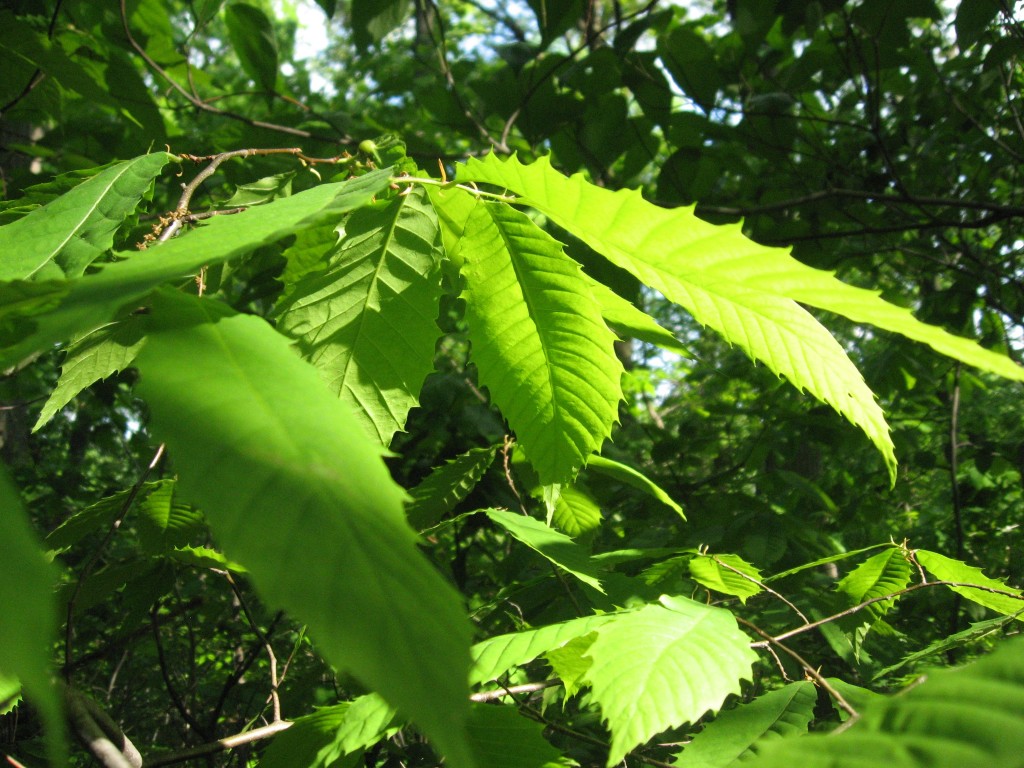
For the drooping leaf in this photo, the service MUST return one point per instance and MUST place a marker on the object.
(367, 323)
(879, 575)
(34, 316)
(97, 517)
(311, 742)
(627, 320)
(100, 354)
(576, 513)
(496, 655)
(824, 561)
(977, 631)
(252, 38)
(309, 252)
(631, 477)
(29, 628)
(571, 663)
(738, 734)
(948, 569)
(663, 666)
(538, 340)
(725, 574)
(261, 191)
(285, 477)
(203, 557)
(549, 543)
(446, 486)
(372, 19)
(204, 10)
(971, 717)
(63, 237)
(503, 738)
(745, 291)
(165, 522)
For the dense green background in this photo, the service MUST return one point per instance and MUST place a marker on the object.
(881, 139)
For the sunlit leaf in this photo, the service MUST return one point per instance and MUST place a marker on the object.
(972, 717)
(63, 237)
(100, 354)
(879, 575)
(948, 569)
(546, 541)
(663, 666)
(539, 341)
(285, 476)
(728, 574)
(740, 733)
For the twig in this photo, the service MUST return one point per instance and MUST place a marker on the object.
(178, 702)
(100, 734)
(220, 745)
(761, 584)
(274, 698)
(811, 672)
(69, 631)
(512, 690)
(203, 106)
(912, 588)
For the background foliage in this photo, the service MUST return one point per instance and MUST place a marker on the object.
(729, 518)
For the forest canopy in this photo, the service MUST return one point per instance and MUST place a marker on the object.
(512, 385)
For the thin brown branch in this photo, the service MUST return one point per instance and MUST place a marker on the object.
(760, 584)
(69, 628)
(220, 745)
(274, 682)
(912, 588)
(513, 690)
(205, 107)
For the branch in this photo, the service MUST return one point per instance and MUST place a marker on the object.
(69, 630)
(912, 588)
(100, 734)
(205, 107)
(220, 745)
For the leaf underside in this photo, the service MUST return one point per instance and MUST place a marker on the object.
(538, 340)
(367, 324)
(286, 476)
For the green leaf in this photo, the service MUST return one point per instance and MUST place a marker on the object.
(971, 717)
(977, 631)
(96, 517)
(165, 522)
(309, 252)
(447, 485)
(10, 693)
(100, 354)
(203, 557)
(972, 19)
(261, 191)
(948, 569)
(63, 237)
(549, 543)
(29, 628)
(204, 10)
(575, 512)
(502, 738)
(631, 477)
(740, 733)
(373, 19)
(496, 655)
(571, 663)
(663, 666)
(538, 340)
(824, 561)
(33, 318)
(252, 39)
(311, 742)
(719, 572)
(743, 290)
(879, 575)
(367, 324)
(286, 477)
